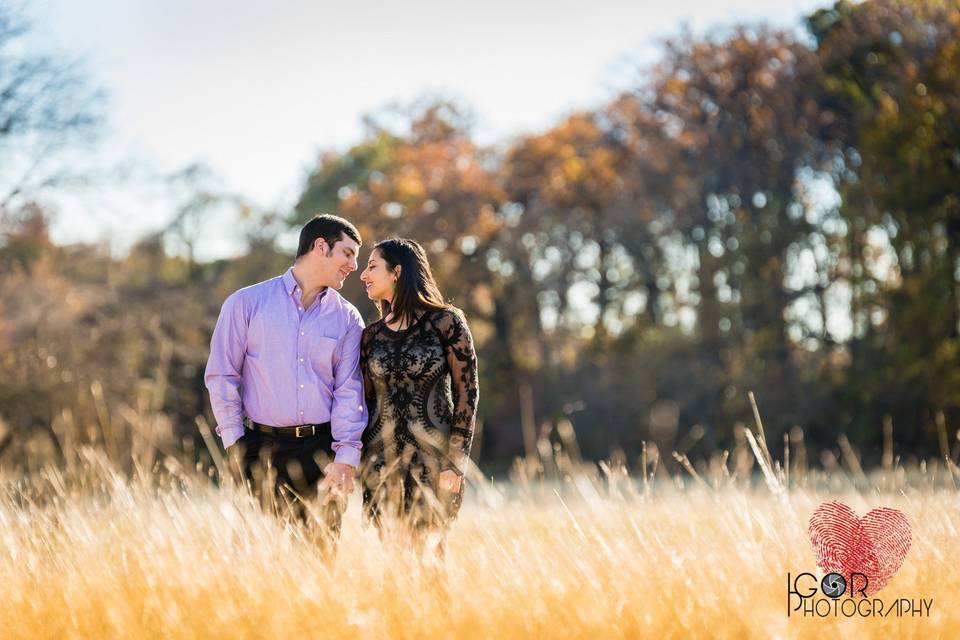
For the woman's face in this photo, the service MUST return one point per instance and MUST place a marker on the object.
(377, 278)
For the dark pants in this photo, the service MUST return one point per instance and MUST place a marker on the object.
(284, 471)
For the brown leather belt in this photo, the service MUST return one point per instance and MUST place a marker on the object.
(298, 431)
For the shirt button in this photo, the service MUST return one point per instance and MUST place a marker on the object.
(301, 359)
(301, 308)
(303, 333)
(301, 386)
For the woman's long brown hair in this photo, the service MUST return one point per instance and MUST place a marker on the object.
(416, 289)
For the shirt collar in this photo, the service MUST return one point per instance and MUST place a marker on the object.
(289, 282)
(290, 285)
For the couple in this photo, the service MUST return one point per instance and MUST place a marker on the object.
(306, 398)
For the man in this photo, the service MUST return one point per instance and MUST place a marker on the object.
(284, 375)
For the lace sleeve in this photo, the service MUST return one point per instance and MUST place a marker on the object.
(366, 341)
(462, 361)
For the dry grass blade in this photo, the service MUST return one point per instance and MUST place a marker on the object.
(218, 461)
(683, 460)
(768, 475)
(761, 436)
(92, 555)
(850, 457)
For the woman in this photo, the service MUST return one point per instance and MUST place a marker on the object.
(420, 380)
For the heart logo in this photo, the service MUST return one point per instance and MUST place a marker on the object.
(874, 545)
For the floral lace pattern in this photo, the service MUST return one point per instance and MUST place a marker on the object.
(421, 390)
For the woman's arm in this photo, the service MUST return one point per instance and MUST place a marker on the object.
(462, 361)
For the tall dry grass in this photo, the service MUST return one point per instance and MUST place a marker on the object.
(93, 552)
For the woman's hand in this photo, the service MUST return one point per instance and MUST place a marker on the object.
(450, 481)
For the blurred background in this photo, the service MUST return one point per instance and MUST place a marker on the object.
(645, 213)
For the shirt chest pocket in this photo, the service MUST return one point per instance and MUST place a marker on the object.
(320, 353)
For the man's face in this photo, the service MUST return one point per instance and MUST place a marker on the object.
(335, 263)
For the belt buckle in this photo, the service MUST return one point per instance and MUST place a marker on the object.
(313, 431)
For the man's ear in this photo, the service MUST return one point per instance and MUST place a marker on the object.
(322, 245)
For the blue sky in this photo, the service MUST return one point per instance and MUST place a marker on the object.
(255, 89)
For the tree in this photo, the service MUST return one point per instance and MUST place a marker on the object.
(726, 126)
(46, 104)
(891, 72)
(569, 182)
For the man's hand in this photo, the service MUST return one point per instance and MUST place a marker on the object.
(337, 481)
(450, 481)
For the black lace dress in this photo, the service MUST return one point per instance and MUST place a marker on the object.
(421, 391)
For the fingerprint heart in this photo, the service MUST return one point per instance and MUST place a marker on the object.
(874, 545)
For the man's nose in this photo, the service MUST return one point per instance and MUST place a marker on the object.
(353, 264)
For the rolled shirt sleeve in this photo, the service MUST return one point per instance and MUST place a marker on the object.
(348, 415)
(223, 374)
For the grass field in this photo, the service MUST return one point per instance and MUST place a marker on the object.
(93, 553)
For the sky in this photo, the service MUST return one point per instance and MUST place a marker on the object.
(255, 90)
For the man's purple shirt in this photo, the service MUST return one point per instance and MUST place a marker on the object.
(282, 365)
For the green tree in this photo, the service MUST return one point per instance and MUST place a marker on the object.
(891, 71)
